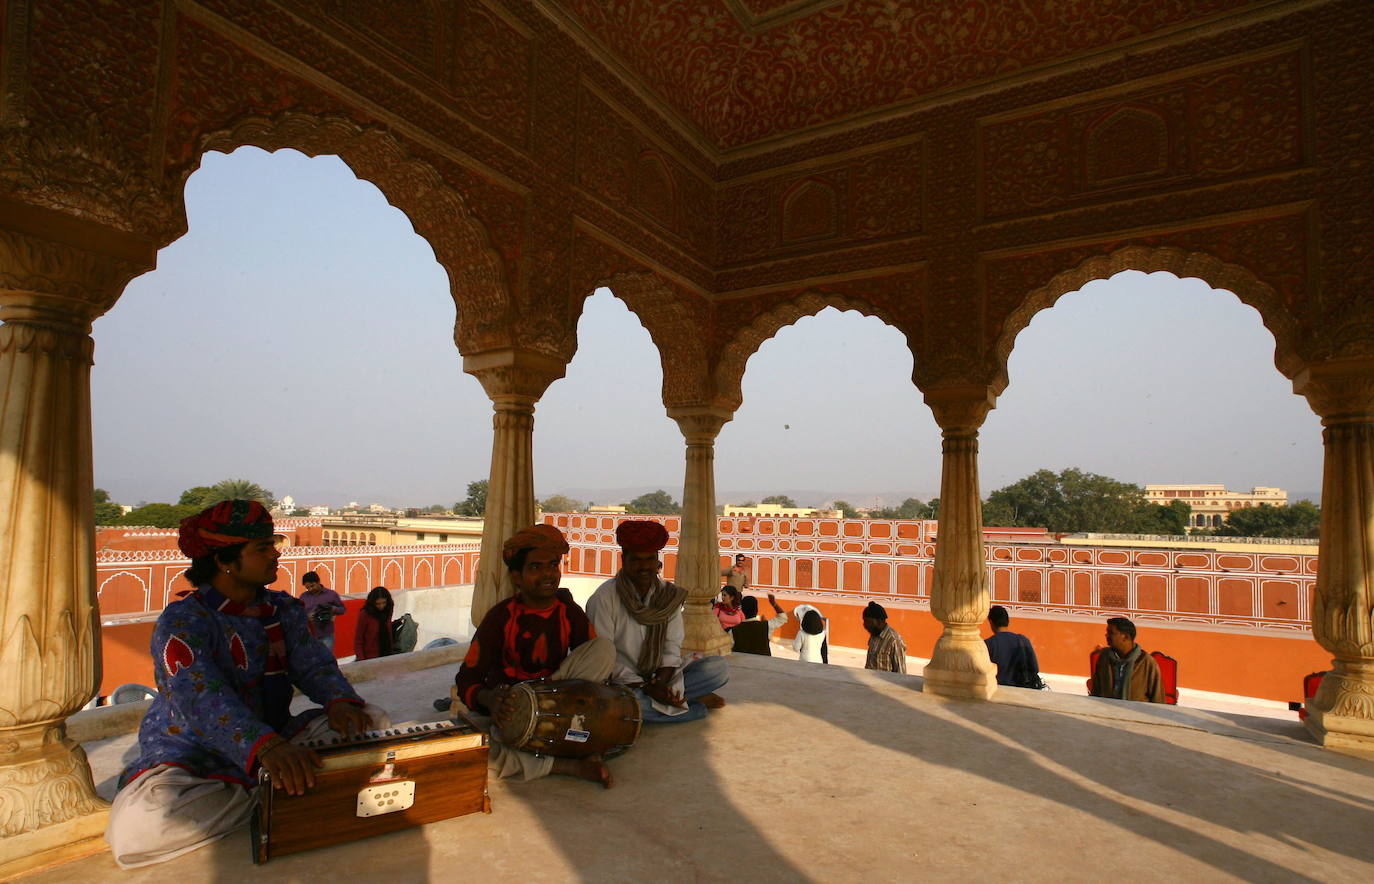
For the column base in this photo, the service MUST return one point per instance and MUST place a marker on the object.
(702, 632)
(959, 667)
(1341, 732)
(1341, 716)
(62, 842)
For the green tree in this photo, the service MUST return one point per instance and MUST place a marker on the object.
(476, 504)
(436, 508)
(1071, 501)
(231, 489)
(560, 503)
(107, 512)
(1161, 518)
(780, 500)
(159, 515)
(1302, 519)
(934, 507)
(846, 509)
(657, 502)
(911, 508)
(194, 496)
(300, 511)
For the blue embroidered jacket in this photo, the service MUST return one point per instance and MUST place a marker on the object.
(218, 700)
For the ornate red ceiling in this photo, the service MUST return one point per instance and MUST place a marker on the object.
(740, 71)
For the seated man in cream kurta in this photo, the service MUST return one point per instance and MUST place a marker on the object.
(642, 615)
(539, 632)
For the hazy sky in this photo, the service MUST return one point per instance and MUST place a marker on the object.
(301, 335)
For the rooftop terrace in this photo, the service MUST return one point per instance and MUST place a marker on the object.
(832, 773)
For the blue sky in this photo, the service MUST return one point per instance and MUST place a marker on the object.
(301, 335)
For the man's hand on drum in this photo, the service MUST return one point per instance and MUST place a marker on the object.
(348, 719)
(292, 767)
(500, 702)
(660, 688)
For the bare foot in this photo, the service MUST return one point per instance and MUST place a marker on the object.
(591, 768)
(711, 701)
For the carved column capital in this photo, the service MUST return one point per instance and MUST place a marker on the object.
(960, 408)
(1340, 391)
(514, 377)
(700, 424)
(55, 283)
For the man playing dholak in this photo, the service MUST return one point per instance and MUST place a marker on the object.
(226, 659)
(539, 632)
(643, 616)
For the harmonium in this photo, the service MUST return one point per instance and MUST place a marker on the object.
(376, 782)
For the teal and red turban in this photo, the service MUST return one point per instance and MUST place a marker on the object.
(224, 524)
(640, 536)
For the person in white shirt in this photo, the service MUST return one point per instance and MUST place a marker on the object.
(811, 640)
(642, 615)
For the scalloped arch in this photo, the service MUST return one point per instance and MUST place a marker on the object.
(672, 328)
(436, 210)
(735, 355)
(1151, 259)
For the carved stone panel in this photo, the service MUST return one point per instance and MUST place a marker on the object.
(875, 195)
(491, 70)
(1242, 118)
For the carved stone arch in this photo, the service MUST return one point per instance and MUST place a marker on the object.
(438, 212)
(729, 373)
(673, 328)
(1251, 290)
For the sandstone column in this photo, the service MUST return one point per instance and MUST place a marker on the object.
(1342, 393)
(514, 379)
(49, 624)
(698, 558)
(959, 665)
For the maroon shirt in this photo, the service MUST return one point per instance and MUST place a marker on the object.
(515, 643)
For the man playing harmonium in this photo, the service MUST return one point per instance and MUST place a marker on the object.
(226, 658)
(539, 632)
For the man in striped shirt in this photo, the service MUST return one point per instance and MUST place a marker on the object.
(886, 650)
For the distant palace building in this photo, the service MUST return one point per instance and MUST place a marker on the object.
(1212, 504)
(774, 510)
(365, 529)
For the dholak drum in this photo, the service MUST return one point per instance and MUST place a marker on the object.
(572, 718)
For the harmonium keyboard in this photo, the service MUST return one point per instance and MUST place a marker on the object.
(379, 781)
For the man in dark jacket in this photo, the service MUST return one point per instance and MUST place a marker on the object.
(751, 636)
(1124, 671)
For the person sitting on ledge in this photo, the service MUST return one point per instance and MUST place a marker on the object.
(642, 615)
(539, 632)
(226, 657)
(1124, 671)
(886, 650)
(751, 636)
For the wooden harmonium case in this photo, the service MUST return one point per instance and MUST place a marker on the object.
(380, 781)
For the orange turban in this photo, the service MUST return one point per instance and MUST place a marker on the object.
(639, 536)
(541, 537)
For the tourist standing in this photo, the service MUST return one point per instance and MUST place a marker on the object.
(374, 636)
(886, 650)
(1124, 671)
(322, 605)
